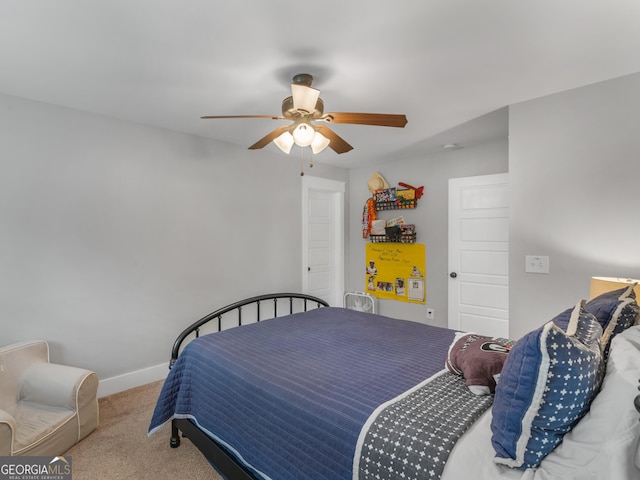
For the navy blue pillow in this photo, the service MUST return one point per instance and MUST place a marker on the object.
(547, 384)
(616, 311)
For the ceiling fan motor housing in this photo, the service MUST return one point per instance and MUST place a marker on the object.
(303, 79)
(288, 110)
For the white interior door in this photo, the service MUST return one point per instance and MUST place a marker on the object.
(479, 254)
(323, 239)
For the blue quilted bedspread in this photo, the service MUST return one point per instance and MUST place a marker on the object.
(289, 396)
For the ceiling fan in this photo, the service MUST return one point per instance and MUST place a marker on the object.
(303, 108)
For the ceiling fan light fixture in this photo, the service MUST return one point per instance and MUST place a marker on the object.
(304, 97)
(319, 143)
(284, 142)
(303, 134)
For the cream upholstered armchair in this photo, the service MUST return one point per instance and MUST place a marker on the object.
(45, 408)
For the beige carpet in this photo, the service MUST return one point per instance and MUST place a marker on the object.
(120, 449)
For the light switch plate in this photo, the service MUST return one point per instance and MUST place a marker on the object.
(536, 264)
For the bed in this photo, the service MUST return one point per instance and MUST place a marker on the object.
(309, 391)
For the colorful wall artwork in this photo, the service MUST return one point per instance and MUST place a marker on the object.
(396, 271)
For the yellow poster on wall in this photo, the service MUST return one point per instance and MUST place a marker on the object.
(396, 271)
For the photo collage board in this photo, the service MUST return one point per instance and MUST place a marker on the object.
(396, 271)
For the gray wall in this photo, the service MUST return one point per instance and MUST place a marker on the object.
(114, 236)
(574, 165)
(430, 217)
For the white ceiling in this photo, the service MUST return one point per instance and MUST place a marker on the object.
(440, 62)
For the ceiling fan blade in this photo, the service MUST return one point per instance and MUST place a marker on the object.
(272, 117)
(378, 119)
(336, 142)
(264, 141)
(304, 97)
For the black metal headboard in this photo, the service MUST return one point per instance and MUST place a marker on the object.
(304, 300)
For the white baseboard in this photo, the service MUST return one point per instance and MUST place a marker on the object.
(120, 383)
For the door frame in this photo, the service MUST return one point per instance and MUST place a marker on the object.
(337, 189)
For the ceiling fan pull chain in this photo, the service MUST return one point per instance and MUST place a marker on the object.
(302, 150)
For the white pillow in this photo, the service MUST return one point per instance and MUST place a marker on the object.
(603, 444)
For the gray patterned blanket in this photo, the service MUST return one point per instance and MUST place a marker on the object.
(411, 437)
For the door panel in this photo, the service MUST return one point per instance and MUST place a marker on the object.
(485, 262)
(323, 238)
(320, 264)
(484, 229)
(494, 196)
(479, 323)
(475, 294)
(479, 255)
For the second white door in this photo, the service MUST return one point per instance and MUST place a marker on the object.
(479, 255)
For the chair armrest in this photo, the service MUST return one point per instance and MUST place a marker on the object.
(7, 429)
(54, 385)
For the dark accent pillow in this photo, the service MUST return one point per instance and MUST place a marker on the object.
(479, 359)
(615, 311)
(547, 384)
